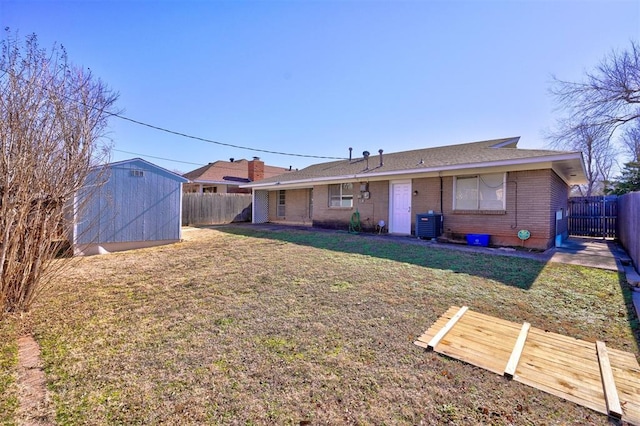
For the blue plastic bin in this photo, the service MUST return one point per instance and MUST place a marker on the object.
(481, 240)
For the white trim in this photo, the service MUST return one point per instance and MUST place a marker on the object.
(218, 182)
(391, 203)
(253, 206)
(507, 142)
(180, 219)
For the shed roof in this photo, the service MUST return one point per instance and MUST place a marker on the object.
(452, 159)
(146, 165)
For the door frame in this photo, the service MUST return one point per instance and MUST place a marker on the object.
(392, 226)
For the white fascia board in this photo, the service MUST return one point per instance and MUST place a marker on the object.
(545, 160)
(507, 142)
(217, 182)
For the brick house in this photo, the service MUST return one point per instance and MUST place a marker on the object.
(489, 187)
(227, 176)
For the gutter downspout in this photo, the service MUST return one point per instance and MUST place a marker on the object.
(441, 203)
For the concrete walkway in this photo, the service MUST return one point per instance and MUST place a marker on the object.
(596, 253)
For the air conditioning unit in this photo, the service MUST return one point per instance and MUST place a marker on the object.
(428, 225)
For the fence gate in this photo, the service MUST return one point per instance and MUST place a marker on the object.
(593, 216)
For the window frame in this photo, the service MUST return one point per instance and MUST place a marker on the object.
(478, 199)
(342, 196)
(280, 205)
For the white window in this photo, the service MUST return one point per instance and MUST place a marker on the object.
(341, 195)
(480, 192)
(281, 203)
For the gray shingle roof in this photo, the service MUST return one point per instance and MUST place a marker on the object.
(444, 157)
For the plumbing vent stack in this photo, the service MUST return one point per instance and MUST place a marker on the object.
(350, 150)
(381, 162)
(366, 154)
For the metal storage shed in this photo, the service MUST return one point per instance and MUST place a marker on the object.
(125, 205)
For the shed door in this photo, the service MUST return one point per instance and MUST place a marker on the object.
(400, 207)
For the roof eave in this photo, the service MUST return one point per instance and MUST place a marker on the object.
(423, 170)
(217, 182)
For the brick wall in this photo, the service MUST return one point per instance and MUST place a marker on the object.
(296, 206)
(255, 169)
(372, 210)
(532, 200)
(533, 197)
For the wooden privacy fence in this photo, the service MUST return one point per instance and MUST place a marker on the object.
(214, 209)
(593, 216)
(629, 225)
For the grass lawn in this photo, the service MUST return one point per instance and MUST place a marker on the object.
(241, 325)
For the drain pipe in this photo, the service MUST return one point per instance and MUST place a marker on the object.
(515, 208)
(441, 212)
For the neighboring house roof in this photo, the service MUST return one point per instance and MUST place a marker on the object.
(444, 160)
(229, 172)
(143, 165)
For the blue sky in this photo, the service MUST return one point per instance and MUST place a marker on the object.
(318, 77)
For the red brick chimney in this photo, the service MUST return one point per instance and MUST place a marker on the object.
(256, 169)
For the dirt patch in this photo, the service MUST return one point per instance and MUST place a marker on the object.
(35, 408)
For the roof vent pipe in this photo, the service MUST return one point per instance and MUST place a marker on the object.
(366, 154)
(381, 162)
(350, 150)
(231, 160)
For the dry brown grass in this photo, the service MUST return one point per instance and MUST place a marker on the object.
(242, 326)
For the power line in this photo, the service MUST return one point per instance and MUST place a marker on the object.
(185, 135)
(188, 136)
(218, 166)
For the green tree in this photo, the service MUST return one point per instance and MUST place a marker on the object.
(629, 181)
(52, 119)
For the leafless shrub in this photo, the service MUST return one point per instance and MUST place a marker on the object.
(52, 121)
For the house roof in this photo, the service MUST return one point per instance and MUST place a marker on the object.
(467, 158)
(229, 172)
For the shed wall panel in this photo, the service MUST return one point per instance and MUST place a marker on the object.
(130, 207)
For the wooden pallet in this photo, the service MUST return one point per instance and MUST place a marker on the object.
(589, 374)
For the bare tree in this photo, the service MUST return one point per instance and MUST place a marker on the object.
(631, 142)
(52, 119)
(608, 98)
(598, 153)
(606, 101)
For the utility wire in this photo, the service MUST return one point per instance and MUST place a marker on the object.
(185, 135)
(218, 166)
(188, 136)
